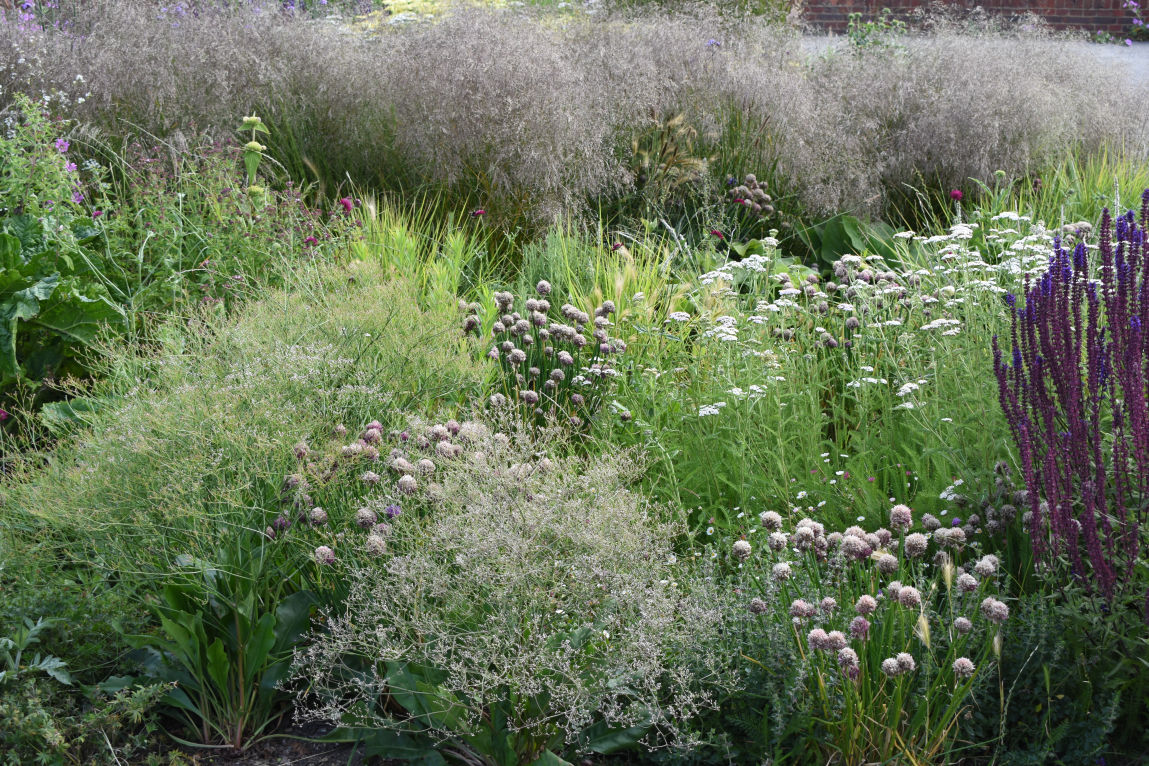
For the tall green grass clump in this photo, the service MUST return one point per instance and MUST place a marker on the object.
(179, 466)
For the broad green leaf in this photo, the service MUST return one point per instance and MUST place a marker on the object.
(61, 417)
(10, 252)
(78, 317)
(549, 759)
(218, 664)
(259, 645)
(602, 739)
(292, 618)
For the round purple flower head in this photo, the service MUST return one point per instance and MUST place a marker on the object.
(392, 511)
(324, 555)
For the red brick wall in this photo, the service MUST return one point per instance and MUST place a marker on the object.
(1090, 15)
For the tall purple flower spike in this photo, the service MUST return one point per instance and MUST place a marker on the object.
(1077, 373)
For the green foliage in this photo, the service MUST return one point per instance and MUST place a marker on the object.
(227, 641)
(52, 301)
(42, 725)
(881, 32)
(13, 647)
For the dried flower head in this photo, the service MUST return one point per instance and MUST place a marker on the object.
(963, 625)
(987, 565)
(365, 518)
(916, 543)
(317, 516)
(909, 597)
(771, 520)
(860, 628)
(906, 662)
(930, 522)
(866, 604)
(901, 517)
(324, 555)
(758, 606)
(408, 484)
(375, 545)
(966, 582)
(829, 605)
(994, 610)
(781, 571)
(802, 609)
(741, 550)
(963, 667)
(887, 563)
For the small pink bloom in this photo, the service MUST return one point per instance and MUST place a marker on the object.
(717, 233)
(956, 195)
(347, 204)
(478, 212)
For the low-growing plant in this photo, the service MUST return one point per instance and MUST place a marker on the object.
(890, 644)
(535, 610)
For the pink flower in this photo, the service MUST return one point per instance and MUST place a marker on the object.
(97, 213)
(62, 144)
(478, 212)
(4, 414)
(347, 204)
(717, 233)
(310, 240)
(956, 195)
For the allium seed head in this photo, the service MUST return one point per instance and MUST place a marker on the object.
(324, 555)
(891, 667)
(909, 597)
(375, 545)
(770, 520)
(963, 625)
(866, 604)
(930, 522)
(407, 484)
(987, 565)
(966, 582)
(901, 517)
(741, 550)
(802, 609)
(916, 543)
(906, 662)
(829, 605)
(365, 518)
(757, 606)
(777, 541)
(963, 667)
(781, 571)
(860, 628)
(318, 516)
(994, 610)
(887, 563)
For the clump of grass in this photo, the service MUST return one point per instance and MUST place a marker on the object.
(178, 444)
